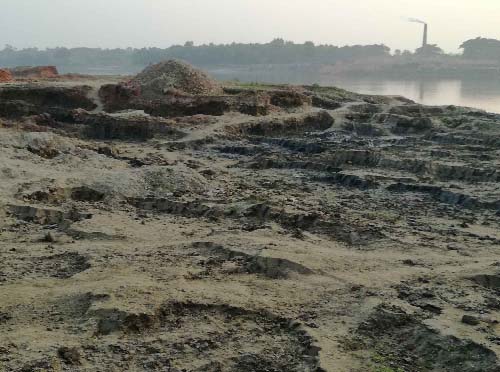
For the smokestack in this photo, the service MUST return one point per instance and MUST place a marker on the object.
(424, 43)
(416, 20)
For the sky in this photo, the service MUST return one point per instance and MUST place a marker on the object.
(161, 23)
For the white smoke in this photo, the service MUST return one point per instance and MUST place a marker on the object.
(416, 21)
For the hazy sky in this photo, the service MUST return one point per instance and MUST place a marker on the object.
(138, 23)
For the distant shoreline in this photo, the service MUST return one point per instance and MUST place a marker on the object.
(262, 72)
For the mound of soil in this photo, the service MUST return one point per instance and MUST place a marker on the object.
(38, 72)
(34, 99)
(410, 343)
(173, 75)
(5, 76)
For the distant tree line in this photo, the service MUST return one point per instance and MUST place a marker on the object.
(481, 48)
(277, 51)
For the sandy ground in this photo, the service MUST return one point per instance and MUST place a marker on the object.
(299, 250)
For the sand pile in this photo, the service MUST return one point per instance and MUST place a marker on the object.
(173, 75)
(5, 76)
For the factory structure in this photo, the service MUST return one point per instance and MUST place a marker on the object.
(426, 50)
(426, 29)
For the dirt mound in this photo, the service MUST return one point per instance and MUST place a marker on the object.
(46, 216)
(251, 262)
(403, 340)
(227, 338)
(25, 266)
(316, 121)
(38, 72)
(34, 99)
(174, 75)
(121, 127)
(187, 105)
(5, 76)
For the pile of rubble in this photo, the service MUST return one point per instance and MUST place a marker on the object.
(164, 81)
(38, 72)
(174, 88)
(172, 75)
(5, 76)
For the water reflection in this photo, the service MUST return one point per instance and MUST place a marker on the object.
(480, 93)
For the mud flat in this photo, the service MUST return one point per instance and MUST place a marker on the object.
(244, 228)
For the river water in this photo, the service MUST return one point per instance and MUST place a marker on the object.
(480, 93)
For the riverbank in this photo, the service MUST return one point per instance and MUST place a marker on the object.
(263, 227)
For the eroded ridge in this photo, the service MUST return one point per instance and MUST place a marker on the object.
(174, 224)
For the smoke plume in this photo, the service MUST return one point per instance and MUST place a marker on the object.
(416, 21)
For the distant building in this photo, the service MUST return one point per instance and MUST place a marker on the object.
(427, 50)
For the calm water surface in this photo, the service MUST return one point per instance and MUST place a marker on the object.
(479, 93)
(483, 94)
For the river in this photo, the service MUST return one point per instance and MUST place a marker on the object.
(480, 93)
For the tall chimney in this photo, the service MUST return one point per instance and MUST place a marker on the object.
(424, 44)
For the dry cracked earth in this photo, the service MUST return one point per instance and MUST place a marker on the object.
(338, 233)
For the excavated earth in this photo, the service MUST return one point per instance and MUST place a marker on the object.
(267, 228)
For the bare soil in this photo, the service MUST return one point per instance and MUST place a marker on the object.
(335, 233)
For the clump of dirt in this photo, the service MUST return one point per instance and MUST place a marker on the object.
(270, 267)
(19, 100)
(46, 364)
(488, 281)
(58, 195)
(5, 76)
(178, 180)
(124, 127)
(69, 355)
(316, 121)
(402, 339)
(45, 145)
(66, 265)
(84, 193)
(60, 266)
(173, 75)
(46, 216)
